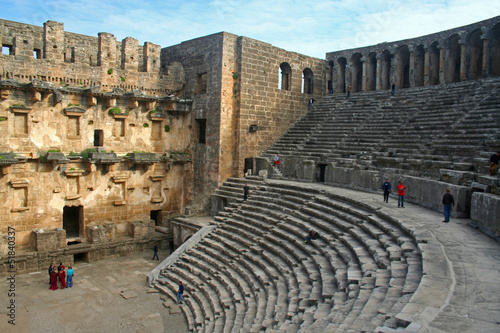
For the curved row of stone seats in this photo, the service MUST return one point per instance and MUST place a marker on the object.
(426, 128)
(355, 276)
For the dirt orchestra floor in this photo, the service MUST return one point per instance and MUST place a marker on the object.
(107, 296)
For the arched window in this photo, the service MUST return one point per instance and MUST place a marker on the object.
(307, 81)
(341, 68)
(475, 69)
(452, 65)
(357, 72)
(285, 79)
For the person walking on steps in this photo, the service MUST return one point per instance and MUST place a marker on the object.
(246, 191)
(448, 203)
(155, 249)
(180, 293)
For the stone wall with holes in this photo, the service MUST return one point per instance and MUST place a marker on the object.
(267, 109)
(67, 59)
(49, 158)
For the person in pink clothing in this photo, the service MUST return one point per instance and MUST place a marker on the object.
(401, 194)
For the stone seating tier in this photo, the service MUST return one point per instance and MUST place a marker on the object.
(446, 123)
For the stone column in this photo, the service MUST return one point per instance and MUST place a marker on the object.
(364, 77)
(463, 56)
(486, 57)
(412, 66)
(442, 62)
(378, 82)
(130, 54)
(426, 66)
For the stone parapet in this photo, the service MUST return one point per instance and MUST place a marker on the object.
(48, 240)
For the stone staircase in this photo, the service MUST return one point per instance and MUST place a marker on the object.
(419, 131)
(255, 273)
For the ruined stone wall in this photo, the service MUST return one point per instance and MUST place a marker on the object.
(263, 104)
(202, 60)
(68, 59)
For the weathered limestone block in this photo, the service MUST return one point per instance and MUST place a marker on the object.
(485, 210)
(142, 229)
(456, 177)
(429, 193)
(349, 177)
(488, 180)
(48, 240)
(101, 233)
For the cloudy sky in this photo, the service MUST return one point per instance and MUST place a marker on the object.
(308, 27)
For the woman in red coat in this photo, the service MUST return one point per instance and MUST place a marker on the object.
(62, 277)
(53, 279)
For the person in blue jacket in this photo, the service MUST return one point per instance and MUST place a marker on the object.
(386, 187)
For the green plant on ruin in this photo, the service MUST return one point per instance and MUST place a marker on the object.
(155, 110)
(145, 125)
(116, 110)
(3, 119)
(72, 153)
(19, 105)
(91, 122)
(123, 78)
(85, 154)
(70, 104)
(167, 128)
(110, 71)
(54, 151)
(235, 75)
(1, 157)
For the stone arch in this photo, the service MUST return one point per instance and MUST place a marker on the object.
(434, 63)
(357, 72)
(307, 81)
(341, 74)
(495, 50)
(285, 79)
(385, 72)
(452, 63)
(475, 55)
(371, 71)
(402, 75)
(419, 69)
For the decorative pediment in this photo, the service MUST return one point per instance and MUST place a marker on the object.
(104, 158)
(77, 111)
(120, 178)
(144, 158)
(19, 183)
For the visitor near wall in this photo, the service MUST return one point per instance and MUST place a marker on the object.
(448, 203)
(69, 277)
(155, 249)
(386, 187)
(401, 194)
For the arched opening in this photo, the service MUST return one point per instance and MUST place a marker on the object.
(495, 50)
(341, 84)
(357, 72)
(475, 68)
(307, 81)
(402, 75)
(434, 63)
(285, 79)
(419, 66)
(385, 73)
(452, 65)
(371, 72)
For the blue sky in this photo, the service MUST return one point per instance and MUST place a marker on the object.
(308, 27)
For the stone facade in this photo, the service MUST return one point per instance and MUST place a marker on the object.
(465, 53)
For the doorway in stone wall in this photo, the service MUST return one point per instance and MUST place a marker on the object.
(156, 216)
(98, 138)
(73, 221)
(321, 172)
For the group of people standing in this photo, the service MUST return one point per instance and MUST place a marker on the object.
(448, 200)
(58, 274)
(387, 188)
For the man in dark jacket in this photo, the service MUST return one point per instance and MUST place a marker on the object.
(155, 249)
(448, 203)
(386, 186)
